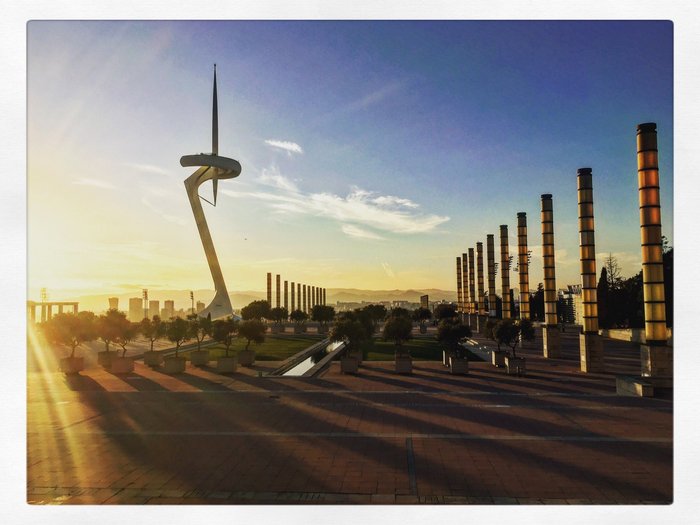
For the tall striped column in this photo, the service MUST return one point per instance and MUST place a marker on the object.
(277, 291)
(286, 296)
(465, 285)
(298, 296)
(523, 267)
(269, 289)
(459, 285)
(657, 357)
(303, 291)
(590, 343)
(491, 266)
(550, 330)
(480, 277)
(324, 297)
(293, 305)
(473, 305)
(505, 272)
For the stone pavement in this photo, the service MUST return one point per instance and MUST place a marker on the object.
(556, 436)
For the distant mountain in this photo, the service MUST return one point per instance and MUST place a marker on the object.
(100, 303)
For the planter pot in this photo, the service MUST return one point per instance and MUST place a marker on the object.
(152, 359)
(459, 366)
(515, 366)
(498, 358)
(276, 328)
(72, 365)
(299, 329)
(226, 365)
(104, 359)
(355, 355)
(199, 357)
(403, 365)
(122, 365)
(423, 329)
(174, 365)
(322, 329)
(246, 357)
(349, 365)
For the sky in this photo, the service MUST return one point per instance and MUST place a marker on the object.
(373, 153)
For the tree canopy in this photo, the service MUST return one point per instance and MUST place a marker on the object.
(71, 329)
(398, 329)
(256, 310)
(252, 330)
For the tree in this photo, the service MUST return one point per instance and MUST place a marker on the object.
(127, 331)
(107, 326)
(507, 332)
(445, 311)
(376, 313)
(450, 333)
(70, 329)
(603, 293)
(199, 327)
(398, 329)
(489, 328)
(422, 315)
(299, 316)
(613, 272)
(223, 331)
(350, 329)
(177, 331)
(399, 312)
(152, 329)
(252, 330)
(256, 310)
(323, 314)
(527, 330)
(279, 314)
(537, 303)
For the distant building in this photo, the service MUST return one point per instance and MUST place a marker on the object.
(113, 303)
(200, 306)
(135, 309)
(567, 303)
(153, 308)
(424, 301)
(168, 310)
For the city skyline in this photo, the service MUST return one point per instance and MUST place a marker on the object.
(373, 153)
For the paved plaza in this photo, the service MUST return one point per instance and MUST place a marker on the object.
(555, 436)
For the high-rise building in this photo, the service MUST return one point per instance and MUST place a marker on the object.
(200, 306)
(168, 310)
(135, 309)
(153, 308)
(113, 303)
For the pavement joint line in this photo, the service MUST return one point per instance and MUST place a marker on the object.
(394, 435)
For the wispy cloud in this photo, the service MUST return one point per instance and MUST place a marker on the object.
(359, 233)
(388, 270)
(374, 97)
(97, 183)
(285, 145)
(170, 218)
(272, 177)
(386, 213)
(148, 168)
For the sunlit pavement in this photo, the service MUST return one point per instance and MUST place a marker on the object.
(556, 436)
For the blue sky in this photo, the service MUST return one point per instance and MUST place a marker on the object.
(373, 153)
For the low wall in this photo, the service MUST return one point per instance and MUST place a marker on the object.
(634, 335)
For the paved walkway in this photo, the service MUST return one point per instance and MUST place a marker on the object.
(555, 436)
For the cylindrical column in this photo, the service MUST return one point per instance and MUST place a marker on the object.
(465, 284)
(269, 289)
(590, 344)
(293, 304)
(473, 305)
(286, 296)
(75, 308)
(459, 285)
(657, 358)
(298, 296)
(523, 267)
(550, 332)
(305, 292)
(324, 297)
(505, 272)
(277, 291)
(491, 266)
(481, 308)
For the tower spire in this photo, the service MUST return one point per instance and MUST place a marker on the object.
(215, 122)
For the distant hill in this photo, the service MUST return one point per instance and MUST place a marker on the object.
(99, 302)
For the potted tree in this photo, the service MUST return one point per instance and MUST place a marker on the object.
(376, 313)
(152, 329)
(421, 315)
(223, 331)
(398, 329)
(350, 329)
(107, 327)
(278, 315)
(527, 331)
(177, 331)
(253, 331)
(71, 330)
(498, 356)
(299, 317)
(450, 333)
(507, 332)
(126, 331)
(200, 328)
(323, 315)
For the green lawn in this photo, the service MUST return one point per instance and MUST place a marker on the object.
(421, 349)
(275, 347)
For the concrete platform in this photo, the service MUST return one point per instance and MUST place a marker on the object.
(556, 436)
